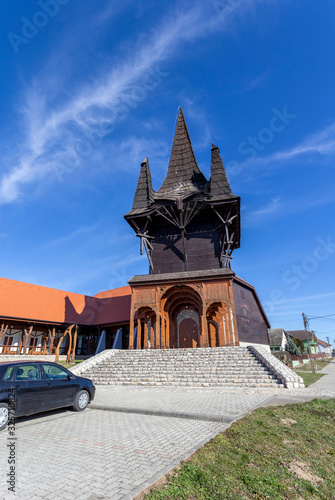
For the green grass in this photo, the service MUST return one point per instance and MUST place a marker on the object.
(69, 365)
(252, 459)
(310, 378)
(309, 367)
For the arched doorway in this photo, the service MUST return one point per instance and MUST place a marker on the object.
(213, 334)
(181, 310)
(145, 330)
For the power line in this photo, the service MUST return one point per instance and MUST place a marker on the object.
(318, 317)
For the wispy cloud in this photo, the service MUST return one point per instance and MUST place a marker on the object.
(257, 216)
(53, 123)
(320, 143)
(313, 297)
(83, 231)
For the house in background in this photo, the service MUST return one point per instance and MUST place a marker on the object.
(277, 339)
(325, 348)
(309, 340)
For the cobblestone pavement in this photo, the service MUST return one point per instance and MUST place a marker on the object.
(97, 454)
(205, 404)
(111, 455)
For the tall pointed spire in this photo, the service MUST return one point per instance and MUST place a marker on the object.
(183, 174)
(219, 185)
(144, 194)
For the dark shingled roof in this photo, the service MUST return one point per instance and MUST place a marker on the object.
(144, 194)
(276, 336)
(184, 176)
(300, 334)
(219, 185)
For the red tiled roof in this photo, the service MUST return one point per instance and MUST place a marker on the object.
(114, 292)
(113, 310)
(324, 344)
(29, 302)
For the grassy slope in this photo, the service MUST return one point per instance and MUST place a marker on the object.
(321, 363)
(251, 459)
(310, 378)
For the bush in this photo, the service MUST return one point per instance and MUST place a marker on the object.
(292, 348)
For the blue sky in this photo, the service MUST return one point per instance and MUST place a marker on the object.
(88, 89)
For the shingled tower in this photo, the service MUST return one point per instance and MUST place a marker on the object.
(189, 229)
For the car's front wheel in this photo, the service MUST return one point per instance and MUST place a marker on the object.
(3, 415)
(81, 401)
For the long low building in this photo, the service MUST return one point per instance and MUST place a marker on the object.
(34, 319)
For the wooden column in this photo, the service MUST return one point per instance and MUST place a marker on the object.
(52, 339)
(229, 333)
(232, 307)
(139, 332)
(220, 326)
(158, 332)
(27, 336)
(152, 332)
(131, 331)
(163, 332)
(167, 332)
(145, 333)
(212, 334)
(3, 331)
(68, 331)
(204, 330)
(73, 355)
(70, 344)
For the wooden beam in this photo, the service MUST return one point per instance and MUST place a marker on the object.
(139, 332)
(67, 332)
(131, 331)
(73, 355)
(27, 336)
(3, 331)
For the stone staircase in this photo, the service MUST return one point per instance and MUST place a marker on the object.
(202, 367)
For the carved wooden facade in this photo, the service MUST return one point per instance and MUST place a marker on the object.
(188, 310)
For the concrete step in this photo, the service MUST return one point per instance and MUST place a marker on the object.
(210, 367)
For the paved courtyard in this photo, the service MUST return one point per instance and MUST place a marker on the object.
(97, 454)
(107, 454)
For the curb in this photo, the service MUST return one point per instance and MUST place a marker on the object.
(226, 419)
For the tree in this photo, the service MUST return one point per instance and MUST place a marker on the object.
(292, 348)
(299, 343)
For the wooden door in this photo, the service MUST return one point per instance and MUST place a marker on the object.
(188, 333)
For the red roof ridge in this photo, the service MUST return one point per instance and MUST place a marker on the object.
(114, 292)
(41, 287)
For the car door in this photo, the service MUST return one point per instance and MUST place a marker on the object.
(61, 388)
(29, 389)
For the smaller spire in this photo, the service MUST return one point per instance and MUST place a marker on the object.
(144, 194)
(219, 185)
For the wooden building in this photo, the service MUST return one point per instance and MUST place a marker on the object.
(40, 320)
(189, 229)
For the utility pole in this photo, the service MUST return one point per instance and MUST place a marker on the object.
(305, 320)
(328, 340)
